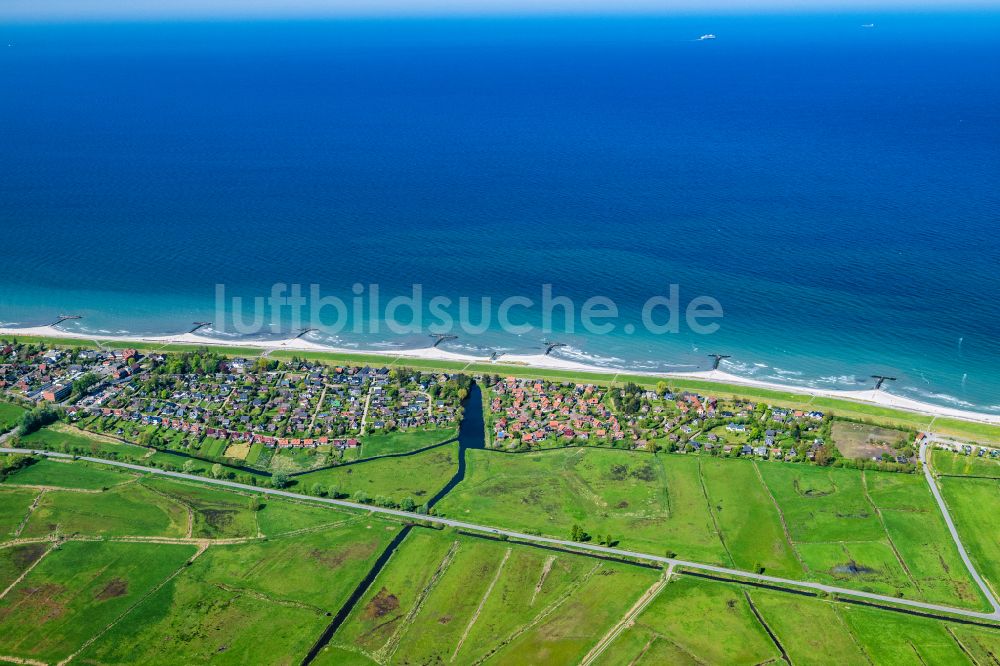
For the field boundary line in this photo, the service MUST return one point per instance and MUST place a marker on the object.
(773, 636)
(21, 660)
(711, 512)
(544, 613)
(482, 602)
(27, 516)
(24, 573)
(888, 537)
(546, 568)
(781, 517)
(627, 620)
(384, 654)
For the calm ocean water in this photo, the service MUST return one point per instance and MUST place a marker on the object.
(834, 187)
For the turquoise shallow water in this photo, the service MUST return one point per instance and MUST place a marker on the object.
(832, 187)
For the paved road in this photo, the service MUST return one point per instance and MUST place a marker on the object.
(603, 550)
(951, 527)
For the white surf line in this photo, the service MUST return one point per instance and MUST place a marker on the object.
(532, 538)
(987, 592)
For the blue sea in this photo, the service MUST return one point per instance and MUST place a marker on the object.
(835, 188)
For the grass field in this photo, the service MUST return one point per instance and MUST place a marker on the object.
(14, 504)
(402, 441)
(77, 591)
(747, 518)
(61, 437)
(974, 505)
(873, 530)
(646, 502)
(445, 597)
(418, 476)
(950, 463)
(127, 510)
(10, 414)
(60, 474)
(217, 514)
(282, 516)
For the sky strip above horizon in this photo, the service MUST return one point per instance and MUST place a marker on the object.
(69, 10)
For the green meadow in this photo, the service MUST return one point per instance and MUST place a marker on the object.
(418, 476)
(10, 414)
(261, 577)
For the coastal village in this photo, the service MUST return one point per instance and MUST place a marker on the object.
(246, 409)
(223, 406)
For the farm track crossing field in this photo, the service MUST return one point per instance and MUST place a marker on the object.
(14, 505)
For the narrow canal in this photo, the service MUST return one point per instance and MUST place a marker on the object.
(471, 435)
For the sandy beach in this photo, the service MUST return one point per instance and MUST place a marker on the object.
(541, 361)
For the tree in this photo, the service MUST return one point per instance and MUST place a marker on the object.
(408, 504)
(188, 465)
(279, 480)
(217, 470)
(318, 490)
(255, 503)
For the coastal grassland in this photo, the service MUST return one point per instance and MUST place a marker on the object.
(193, 620)
(10, 414)
(216, 514)
(897, 638)
(417, 476)
(14, 506)
(403, 441)
(16, 558)
(644, 501)
(694, 621)
(77, 591)
(127, 510)
(810, 630)
(447, 597)
(67, 474)
(280, 516)
(846, 535)
(747, 518)
(974, 505)
(949, 463)
(287, 569)
(69, 439)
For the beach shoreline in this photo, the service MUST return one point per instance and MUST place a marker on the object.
(880, 398)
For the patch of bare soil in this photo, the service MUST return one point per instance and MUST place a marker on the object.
(116, 587)
(25, 556)
(334, 558)
(381, 604)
